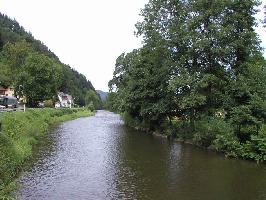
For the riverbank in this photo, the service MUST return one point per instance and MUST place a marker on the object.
(213, 134)
(21, 133)
(99, 158)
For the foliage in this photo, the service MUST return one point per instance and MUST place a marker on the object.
(40, 78)
(49, 103)
(111, 103)
(20, 51)
(209, 128)
(90, 106)
(93, 100)
(75, 84)
(200, 75)
(21, 132)
(14, 55)
(5, 75)
(141, 83)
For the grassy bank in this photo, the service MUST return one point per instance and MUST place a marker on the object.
(213, 133)
(20, 133)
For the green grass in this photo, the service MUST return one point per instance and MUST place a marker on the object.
(21, 132)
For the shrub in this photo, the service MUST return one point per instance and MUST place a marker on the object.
(180, 129)
(90, 106)
(227, 143)
(134, 122)
(48, 104)
(208, 129)
(254, 149)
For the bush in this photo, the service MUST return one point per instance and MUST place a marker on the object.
(180, 129)
(135, 122)
(90, 106)
(227, 143)
(254, 149)
(48, 104)
(209, 128)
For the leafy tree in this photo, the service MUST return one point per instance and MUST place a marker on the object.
(210, 43)
(1, 42)
(92, 98)
(110, 101)
(248, 109)
(141, 80)
(39, 78)
(13, 57)
(15, 54)
(196, 55)
(5, 75)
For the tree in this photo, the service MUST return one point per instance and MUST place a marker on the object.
(110, 101)
(1, 42)
(141, 80)
(92, 98)
(209, 42)
(39, 78)
(196, 49)
(5, 75)
(15, 54)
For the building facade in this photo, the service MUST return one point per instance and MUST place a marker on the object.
(9, 91)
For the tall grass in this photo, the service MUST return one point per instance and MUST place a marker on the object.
(21, 132)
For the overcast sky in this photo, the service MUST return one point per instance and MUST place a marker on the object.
(86, 34)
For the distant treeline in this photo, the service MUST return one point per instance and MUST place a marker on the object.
(200, 75)
(36, 72)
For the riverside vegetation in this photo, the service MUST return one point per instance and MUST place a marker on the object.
(200, 76)
(21, 133)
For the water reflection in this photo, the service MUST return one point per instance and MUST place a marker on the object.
(99, 158)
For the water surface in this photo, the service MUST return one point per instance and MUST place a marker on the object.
(99, 158)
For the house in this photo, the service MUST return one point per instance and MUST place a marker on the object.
(65, 100)
(9, 91)
(57, 105)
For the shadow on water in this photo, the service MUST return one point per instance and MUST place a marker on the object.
(99, 158)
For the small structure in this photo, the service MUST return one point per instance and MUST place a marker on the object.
(57, 104)
(9, 91)
(65, 100)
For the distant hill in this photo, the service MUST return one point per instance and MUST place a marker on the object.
(102, 94)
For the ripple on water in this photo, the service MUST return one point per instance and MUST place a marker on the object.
(99, 158)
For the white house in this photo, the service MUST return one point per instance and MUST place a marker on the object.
(65, 100)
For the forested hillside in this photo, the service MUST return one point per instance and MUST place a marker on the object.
(200, 75)
(36, 72)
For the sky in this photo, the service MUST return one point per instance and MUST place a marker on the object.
(86, 34)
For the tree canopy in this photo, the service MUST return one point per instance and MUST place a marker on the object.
(199, 60)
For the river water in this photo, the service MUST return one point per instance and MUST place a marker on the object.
(99, 158)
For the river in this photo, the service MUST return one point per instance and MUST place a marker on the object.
(99, 158)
